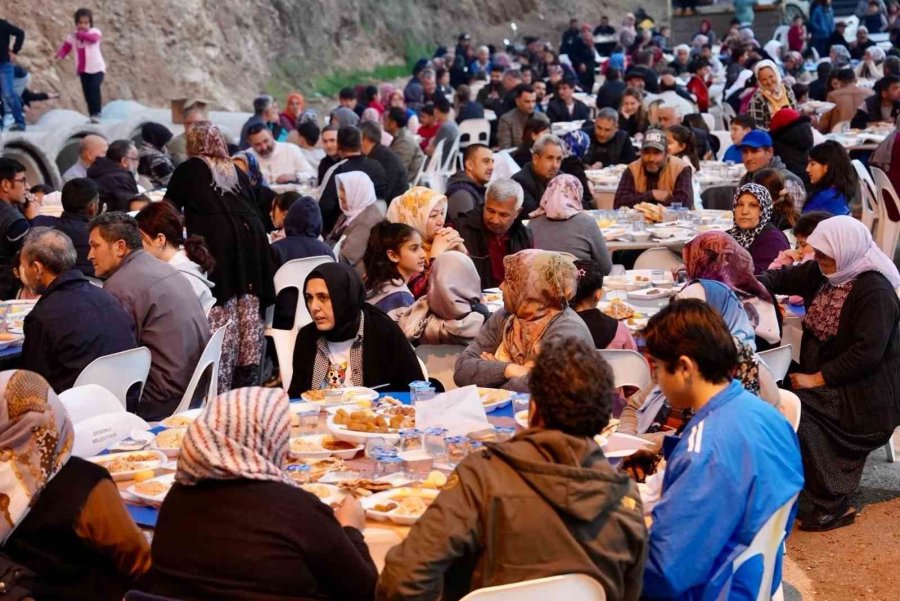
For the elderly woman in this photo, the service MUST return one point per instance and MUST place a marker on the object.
(64, 518)
(560, 224)
(871, 66)
(349, 342)
(155, 162)
(717, 256)
(280, 542)
(849, 376)
(361, 210)
(426, 210)
(451, 312)
(753, 228)
(771, 95)
(538, 287)
(219, 204)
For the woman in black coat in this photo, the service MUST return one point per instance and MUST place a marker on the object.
(849, 376)
(349, 343)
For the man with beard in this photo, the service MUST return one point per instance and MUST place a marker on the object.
(491, 95)
(609, 144)
(280, 162)
(465, 189)
(546, 159)
(655, 177)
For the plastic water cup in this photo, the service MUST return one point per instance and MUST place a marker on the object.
(436, 443)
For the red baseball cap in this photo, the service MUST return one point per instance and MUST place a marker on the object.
(783, 118)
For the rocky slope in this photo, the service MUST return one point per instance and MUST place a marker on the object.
(229, 51)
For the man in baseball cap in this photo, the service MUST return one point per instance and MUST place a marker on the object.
(656, 176)
(757, 153)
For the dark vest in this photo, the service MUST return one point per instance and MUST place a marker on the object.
(9, 285)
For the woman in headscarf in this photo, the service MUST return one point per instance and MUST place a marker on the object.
(871, 66)
(753, 228)
(64, 517)
(426, 210)
(371, 114)
(536, 292)
(451, 312)
(849, 375)
(717, 256)
(560, 224)
(155, 163)
(219, 204)
(293, 107)
(349, 342)
(247, 162)
(771, 95)
(236, 526)
(361, 210)
(575, 146)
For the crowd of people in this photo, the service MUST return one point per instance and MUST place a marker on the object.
(406, 265)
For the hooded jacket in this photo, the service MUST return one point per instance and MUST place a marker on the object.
(463, 195)
(791, 144)
(201, 285)
(117, 184)
(302, 228)
(544, 503)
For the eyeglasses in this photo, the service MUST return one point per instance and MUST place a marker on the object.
(23, 180)
(130, 158)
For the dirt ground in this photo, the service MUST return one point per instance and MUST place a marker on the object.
(859, 561)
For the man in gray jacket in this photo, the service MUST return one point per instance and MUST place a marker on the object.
(403, 144)
(168, 317)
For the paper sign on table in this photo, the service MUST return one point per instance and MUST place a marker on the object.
(460, 411)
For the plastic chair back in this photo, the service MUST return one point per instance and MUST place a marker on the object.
(505, 166)
(768, 543)
(888, 229)
(790, 407)
(90, 400)
(725, 142)
(474, 131)
(571, 587)
(210, 357)
(658, 258)
(709, 120)
(292, 275)
(440, 360)
(284, 341)
(629, 367)
(100, 432)
(868, 195)
(778, 360)
(118, 372)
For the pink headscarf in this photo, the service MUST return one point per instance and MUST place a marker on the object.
(850, 244)
(561, 199)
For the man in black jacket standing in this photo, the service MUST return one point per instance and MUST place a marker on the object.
(394, 170)
(115, 174)
(12, 102)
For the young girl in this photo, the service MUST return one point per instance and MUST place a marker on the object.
(608, 333)
(632, 116)
(280, 207)
(682, 145)
(89, 64)
(834, 181)
(394, 255)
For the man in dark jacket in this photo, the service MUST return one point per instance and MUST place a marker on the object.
(610, 93)
(551, 483)
(792, 137)
(495, 230)
(546, 159)
(115, 175)
(818, 89)
(609, 144)
(882, 106)
(74, 322)
(80, 201)
(564, 106)
(394, 170)
(13, 225)
(350, 150)
(465, 189)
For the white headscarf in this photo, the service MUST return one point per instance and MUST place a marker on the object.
(850, 244)
(359, 193)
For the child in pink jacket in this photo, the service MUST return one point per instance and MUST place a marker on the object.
(89, 64)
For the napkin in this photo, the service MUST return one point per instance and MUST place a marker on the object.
(460, 411)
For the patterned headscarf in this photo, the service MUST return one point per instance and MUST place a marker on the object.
(253, 171)
(538, 286)
(746, 238)
(777, 98)
(35, 443)
(717, 256)
(359, 193)
(561, 199)
(414, 206)
(850, 244)
(576, 143)
(205, 141)
(242, 433)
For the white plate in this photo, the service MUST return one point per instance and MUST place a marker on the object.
(159, 460)
(522, 418)
(142, 439)
(650, 293)
(614, 282)
(318, 438)
(350, 394)
(336, 495)
(191, 414)
(168, 479)
(622, 445)
(167, 451)
(12, 340)
(502, 402)
(668, 232)
(342, 433)
(387, 496)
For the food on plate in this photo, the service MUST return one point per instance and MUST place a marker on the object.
(413, 506)
(337, 445)
(618, 310)
(489, 396)
(367, 421)
(385, 507)
(143, 475)
(127, 463)
(170, 439)
(602, 223)
(320, 490)
(177, 421)
(7, 336)
(642, 279)
(651, 211)
(152, 488)
(319, 468)
(316, 396)
(305, 445)
(363, 487)
(493, 297)
(435, 479)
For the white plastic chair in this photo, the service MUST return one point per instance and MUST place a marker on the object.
(767, 543)
(337, 246)
(790, 407)
(448, 165)
(778, 360)
(118, 372)
(629, 367)
(890, 452)
(887, 230)
(658, 258)
(210, 357)
(424, 368)
(474, 131)
(504, 166)
(709, 120)
(571, 587)
(440, 360)
(868, 195)
(724, 137)
(90, 400)
(100, 432)
(431, 167)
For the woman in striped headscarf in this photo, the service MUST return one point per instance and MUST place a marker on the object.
(236, 526)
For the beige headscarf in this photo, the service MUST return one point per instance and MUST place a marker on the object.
(413, 208)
